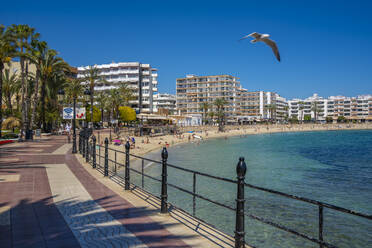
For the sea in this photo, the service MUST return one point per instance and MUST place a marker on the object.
(334, 167)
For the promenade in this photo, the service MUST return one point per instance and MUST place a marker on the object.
(49, 198)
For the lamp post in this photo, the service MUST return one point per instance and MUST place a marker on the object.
(61, 94)
(87, 96)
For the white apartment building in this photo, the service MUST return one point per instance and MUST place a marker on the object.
(194, 90)
(164, 101)
(357, 108)
(141, 78)
(262, 105)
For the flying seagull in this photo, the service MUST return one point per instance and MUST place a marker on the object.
(264, 38)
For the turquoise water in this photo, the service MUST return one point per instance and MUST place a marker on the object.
(333, 166)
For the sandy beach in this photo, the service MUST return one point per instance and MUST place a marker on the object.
(146, 144)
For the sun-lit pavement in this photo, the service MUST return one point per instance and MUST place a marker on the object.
(47, 199)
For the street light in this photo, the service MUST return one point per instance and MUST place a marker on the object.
(61, 94)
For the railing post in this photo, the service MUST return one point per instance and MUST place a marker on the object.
(127, 176)
(321, 225)
(86, 144)
(87, 151)
(94, 152)
(164, 194)
(80, 142)
(106, 158)
(241, 169)
(83, 143)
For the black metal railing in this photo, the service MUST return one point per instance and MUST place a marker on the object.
(89, 151)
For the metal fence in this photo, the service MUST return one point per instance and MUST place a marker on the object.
(98, 157)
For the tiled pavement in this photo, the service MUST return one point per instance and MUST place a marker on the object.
(47, 199)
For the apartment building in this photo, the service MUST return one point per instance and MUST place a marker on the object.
(353, 108)
(141, 78)
(164, 101)
(194, 90)
(261, 105)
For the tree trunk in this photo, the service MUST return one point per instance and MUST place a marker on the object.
(23, 95)
(35, 99)
(27, 101)
(1, 95)
(43, 86)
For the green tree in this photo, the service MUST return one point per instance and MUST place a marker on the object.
(329, 119)
(205, 107)
(220, 113)
(127, 114)
(301, 109)
(293, 119)
(96, 115)
(92, 77)
(307, 118)
(23, 36)
(101, 99)
(10, 87)
(7, 51)
(315, 108)
(126, 94)
(272, 111)
(341, 119)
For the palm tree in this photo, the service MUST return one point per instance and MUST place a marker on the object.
(315, 109)
(301, 108)
(23, 36)
(272, 111)
(102, 100)
(6, 53)
(220, 105)
(205, 107)
(11, 84)
(92, 77)
(115, 101)
(52, 70)
(126, 93)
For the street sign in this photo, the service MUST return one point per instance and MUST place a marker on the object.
(68, 113)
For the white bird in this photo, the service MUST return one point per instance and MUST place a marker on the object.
(264, 38)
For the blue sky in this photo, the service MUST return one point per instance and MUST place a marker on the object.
(326, 46)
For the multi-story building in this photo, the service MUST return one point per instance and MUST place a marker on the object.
(259, 105)
(141, 78)
(163, 101)
(194, 90)
(319, 108)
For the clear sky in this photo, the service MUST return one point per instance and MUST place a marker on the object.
(325, 45)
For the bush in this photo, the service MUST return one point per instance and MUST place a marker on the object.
(96, 114)
(127, 114)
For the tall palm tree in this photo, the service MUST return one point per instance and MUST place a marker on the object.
(6, 53)
(92, 77)
(115, 101)
(52, 70)
(102, 100)
(220, 106)
(126, 93)
(23, 36)
(315, 108)
(301, 108)
(272, 111)
(11, 85)
(205, 107)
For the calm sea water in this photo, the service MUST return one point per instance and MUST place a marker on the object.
(333, 166)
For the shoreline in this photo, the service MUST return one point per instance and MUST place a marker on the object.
(210, 132)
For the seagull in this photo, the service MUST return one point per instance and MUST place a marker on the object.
(264, 38)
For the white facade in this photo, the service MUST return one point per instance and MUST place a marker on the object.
(353, 108)
(164, 101)
(141, 78)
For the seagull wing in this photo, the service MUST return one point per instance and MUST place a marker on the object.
(245, 37)
(273, 46)
(254, 35)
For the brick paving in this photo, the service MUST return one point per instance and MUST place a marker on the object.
(47, 199)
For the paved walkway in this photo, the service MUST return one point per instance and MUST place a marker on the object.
(49, 199)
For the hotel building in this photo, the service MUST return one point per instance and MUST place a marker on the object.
(261, 105)
(141, 78)
(194, 90)
(163, 101)
(357, 108)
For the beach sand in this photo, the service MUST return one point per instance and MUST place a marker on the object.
(209, 132)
